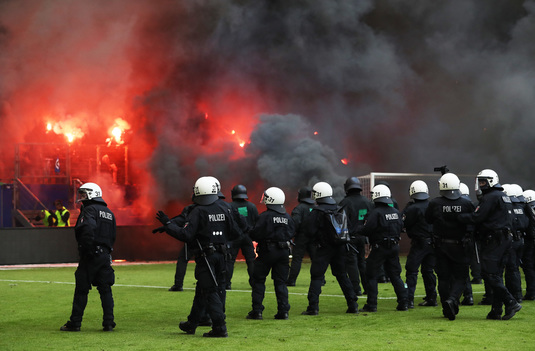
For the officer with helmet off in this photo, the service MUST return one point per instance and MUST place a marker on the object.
(493, 220)
(95, 232)
(328, 252)
(451, 242)
(207, 228)
(383, 228)
(273, 232)
(421, 252)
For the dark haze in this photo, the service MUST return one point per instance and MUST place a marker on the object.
(389, 85)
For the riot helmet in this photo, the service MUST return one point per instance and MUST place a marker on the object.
(419, 190)
(274, 199)
(487, 179)
(304, 194)
(352, 183)
(517, 192)
(464, 189)
(239, 192)
(89, 191)
(529, 197)
(448, 186)
(216, 181)
(381, 193)
(323, 193)
(508, 190)
(206, 190)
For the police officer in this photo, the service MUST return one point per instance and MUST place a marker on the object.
(183, 254)
(451, 242)
(208, 226)
(513, 280)
(421, 252)
(528, 257)
(383, 228)
(301, 242)
(95, 234)
(493, 220)
(249, 211)
(272, 232)
(473, 248)
(475, 264)
(327, 252)
(62, 214)
(357, 208)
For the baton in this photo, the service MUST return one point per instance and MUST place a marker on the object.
(477, 251)
(353, 248)
(208, 264)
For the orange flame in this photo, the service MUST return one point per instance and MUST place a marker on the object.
(344, 161)
(117, 130)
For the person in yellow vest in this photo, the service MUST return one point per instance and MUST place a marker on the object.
(49, 218)
(62, 214)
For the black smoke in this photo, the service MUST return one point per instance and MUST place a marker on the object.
(393, 86)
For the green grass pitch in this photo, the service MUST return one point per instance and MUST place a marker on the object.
(35, 302)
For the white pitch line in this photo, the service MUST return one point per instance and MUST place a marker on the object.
(193, 289)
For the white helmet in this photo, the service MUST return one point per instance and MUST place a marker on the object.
(512, 190)
(205, 190)
(91, 191)
(323, 193)
(274, 199)
(219, 193)
(490, 177)
(381, 193)
(464, 189)
(449, 185)
(507, 189)
(529, 197)
(517, 191)
(419, 190)
(321, 189)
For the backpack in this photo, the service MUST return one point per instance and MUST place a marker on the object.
(337, 226)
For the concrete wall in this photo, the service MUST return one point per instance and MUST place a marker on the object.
(58, 245)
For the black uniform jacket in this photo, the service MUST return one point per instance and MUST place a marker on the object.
(273, 226)
(95, 226)
(384, 223)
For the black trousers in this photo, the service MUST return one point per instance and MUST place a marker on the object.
(528, 266)
(209, 291)
(421, 254)
(301, 247)
(181, 266)
(389, 257)
(356, 263)
(93, 271)
(493, 258)
(247, 248)
(335, 256)
(275, 260)
(513, 280)
(452, 270)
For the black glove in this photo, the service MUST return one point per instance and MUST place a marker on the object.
(158, 230)
(162, 217)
